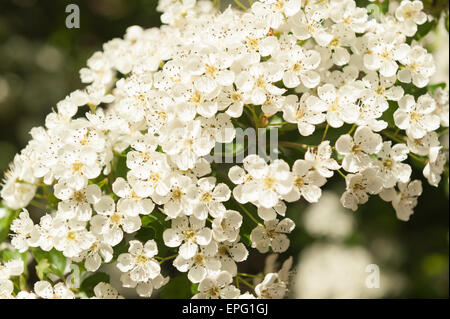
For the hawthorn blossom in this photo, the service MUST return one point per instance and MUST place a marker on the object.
(188, 233)
(273, 234)
(416, 118)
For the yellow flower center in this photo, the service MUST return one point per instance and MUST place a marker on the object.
(79, 197)
(206, 197)
(176, 194)
(72, 235)
(199, 259)
(211, 70)
(269, 182)
(189, 234)
(299, 182)
(115, 219)
(77, 167)
(141, 259)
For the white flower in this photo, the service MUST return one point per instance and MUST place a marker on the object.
(320, 159)
(343, 37)
(416, 118)
(340, 104)
(153, 178)
(300, 65)
(130, 203)
(307, 182)
(229, 254)
(347, 13)
(276, 10)
(384, 50)
(267, 182)
(273, 234)
(104, 290)
(95, 254)
(405, 199)
(6, 289)
(23, 227)
(111, 221)
(177, 201)
(226, 227)
(356, 150)
(189, 232)
(185, 143)
(18, 188)
(271, 213)
(43, 233)
(202, 263)
(359, 185)
(442, 105)
(72, 237)
(389, 163)
(45, 290)
(76, 202)
(410, 13)
(208, 198)
(271, 287)
(257, 82)
(307, 25)
(13, 267)
(435, 165)
(217, 286)
(418, 67)
(306, 113)
(139, 261)
(422, 146)
(145, 288)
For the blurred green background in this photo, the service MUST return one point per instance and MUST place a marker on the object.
(39, 63)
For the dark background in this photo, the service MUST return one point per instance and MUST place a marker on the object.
(39, 63)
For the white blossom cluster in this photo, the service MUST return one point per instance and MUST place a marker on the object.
(160, 99)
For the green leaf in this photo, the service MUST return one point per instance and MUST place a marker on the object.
(43, 269)
(88, 284)
(434, 87)
(177, 288)
(9, 254)
(145, 234)
(5, 222)
(424, 29)
(56, 260)
(194, 289)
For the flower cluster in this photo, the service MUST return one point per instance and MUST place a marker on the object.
(153, 113)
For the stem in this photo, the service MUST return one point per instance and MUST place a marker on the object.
(417, 158)
(296, 145)
(280, 123)
(240, 5)
(342, 174)
(249, 214)
(248, 275)
(255, 117)
(443, 132)
(325, 132)
(249, 117)
(163, 259)
(393, 137)
(246, 282)
(352, 129)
